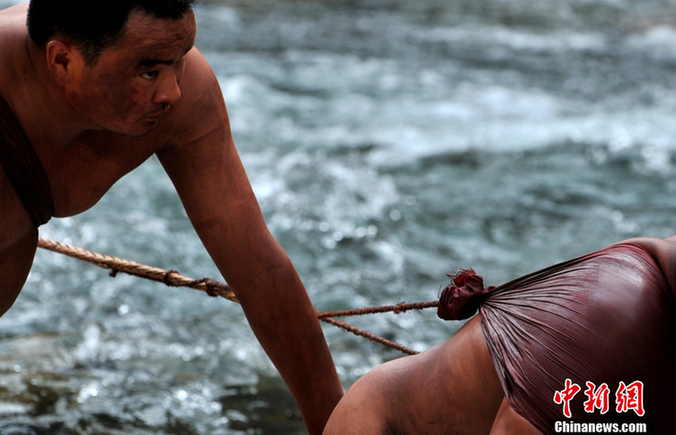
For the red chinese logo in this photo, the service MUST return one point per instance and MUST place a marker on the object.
(627, 397)
(630, 397)
(597, 397)
(566, 395)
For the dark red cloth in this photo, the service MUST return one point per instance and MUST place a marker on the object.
(462, 298)
(606, 317)
(24, 169)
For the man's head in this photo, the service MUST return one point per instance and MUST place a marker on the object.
(93, 25)
(117, 63)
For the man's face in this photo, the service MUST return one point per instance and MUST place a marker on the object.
(135, 81)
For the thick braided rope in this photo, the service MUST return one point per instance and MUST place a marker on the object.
(169, 277)
(214, 288)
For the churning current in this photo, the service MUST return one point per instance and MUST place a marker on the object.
(389, 142)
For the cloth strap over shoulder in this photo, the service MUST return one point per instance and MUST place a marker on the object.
(24, 169)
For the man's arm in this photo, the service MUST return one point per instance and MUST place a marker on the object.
(212, 184)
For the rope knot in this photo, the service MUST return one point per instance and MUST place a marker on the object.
(167, 280)
(461, 299)
(212, 287)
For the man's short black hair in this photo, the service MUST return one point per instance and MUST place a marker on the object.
(93, 25)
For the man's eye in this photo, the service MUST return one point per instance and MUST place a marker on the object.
(149, 75)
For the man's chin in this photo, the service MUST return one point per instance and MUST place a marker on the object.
(138, 129)
(148, 126)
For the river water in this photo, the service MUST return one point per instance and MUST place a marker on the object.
(389, 142)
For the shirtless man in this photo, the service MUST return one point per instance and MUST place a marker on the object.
(454, 388)
(94, 113)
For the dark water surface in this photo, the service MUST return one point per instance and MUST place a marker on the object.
(389, 142)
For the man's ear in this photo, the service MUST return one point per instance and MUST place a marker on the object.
(59, 60)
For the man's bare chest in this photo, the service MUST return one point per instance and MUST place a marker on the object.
(81, 173)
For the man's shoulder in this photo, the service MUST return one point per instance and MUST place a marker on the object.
(16, 11)
(13, 22)
(199, 84)
(12, 34)
(201, 107)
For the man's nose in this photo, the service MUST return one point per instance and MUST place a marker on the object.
(168, 91)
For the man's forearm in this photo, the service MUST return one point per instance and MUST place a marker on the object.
(284, 321)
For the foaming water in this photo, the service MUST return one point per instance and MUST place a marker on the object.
(389, 143)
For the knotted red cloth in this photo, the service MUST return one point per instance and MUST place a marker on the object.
(461, 299)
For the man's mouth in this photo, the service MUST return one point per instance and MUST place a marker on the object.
(155, 116)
